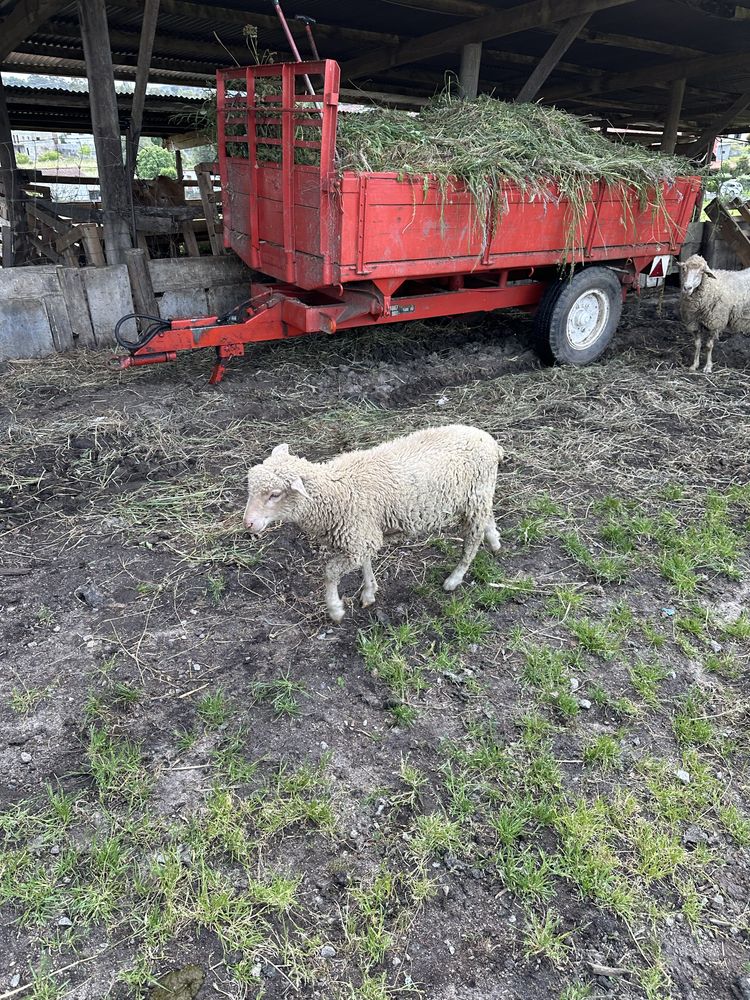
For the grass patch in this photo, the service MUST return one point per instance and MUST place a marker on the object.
(689, 724)
(597, 638)
(26, 700)
(544, 938)
(606, 567)
(116, 767)
(564, 601)
(280, 693)
(549, 671)
(647, 678)
(214, 708)
(603, 752)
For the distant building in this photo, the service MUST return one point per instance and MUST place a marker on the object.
(32, 143)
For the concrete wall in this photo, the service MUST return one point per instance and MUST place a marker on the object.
(48, 309)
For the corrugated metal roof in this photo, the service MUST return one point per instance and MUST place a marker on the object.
(194, 38)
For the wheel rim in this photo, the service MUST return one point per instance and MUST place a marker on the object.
(587, 319)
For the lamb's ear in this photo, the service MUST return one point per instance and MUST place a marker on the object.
(707, 271)
(280, 449)
(297, 486)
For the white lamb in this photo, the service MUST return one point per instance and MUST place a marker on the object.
(713, 301)
(431, 479)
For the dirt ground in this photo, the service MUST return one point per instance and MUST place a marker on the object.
(535, 789)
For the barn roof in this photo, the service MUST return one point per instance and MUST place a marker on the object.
(619, 68)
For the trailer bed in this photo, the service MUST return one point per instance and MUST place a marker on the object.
(314, 226)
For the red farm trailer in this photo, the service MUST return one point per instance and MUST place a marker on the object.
(337, 249)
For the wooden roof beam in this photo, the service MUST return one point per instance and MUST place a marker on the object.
(27, 17)
(613, 40)
(24, 62)
(720, 124)
(565, 37)
(522, 17)
(661, 73)
(216, 16)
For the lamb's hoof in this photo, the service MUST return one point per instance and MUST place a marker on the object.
(337, 614)
(693, 368)
(452, 583)
(367, 600)
(708, 369)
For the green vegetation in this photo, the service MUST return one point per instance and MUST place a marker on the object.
(155, 161)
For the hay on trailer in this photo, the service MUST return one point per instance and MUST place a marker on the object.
(485, 142)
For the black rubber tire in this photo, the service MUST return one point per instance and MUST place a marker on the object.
(541, 321)
(556, 306)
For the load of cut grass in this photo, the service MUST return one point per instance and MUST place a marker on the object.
(485, 142)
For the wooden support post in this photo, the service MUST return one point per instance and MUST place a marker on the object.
(672, 123)
(92, 244)
(144, 300)
(115, 187)
(468, 80)
(203, 175)
(6, 235)
(145, 49)
(567, 34)
(14, 234)
(188, 231)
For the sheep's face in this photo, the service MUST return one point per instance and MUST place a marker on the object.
(274, 491)
(692, 272)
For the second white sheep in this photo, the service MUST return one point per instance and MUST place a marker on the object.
(712, 302)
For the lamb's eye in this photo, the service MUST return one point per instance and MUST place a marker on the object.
(276, 495)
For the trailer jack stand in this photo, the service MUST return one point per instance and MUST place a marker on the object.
(223, 354)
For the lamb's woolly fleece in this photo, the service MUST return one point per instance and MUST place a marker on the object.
(718, 303)
(412, 485)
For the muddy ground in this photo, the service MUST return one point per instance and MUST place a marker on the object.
(536, 789)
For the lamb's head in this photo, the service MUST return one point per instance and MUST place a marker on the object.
(692, 272)
(275, 490)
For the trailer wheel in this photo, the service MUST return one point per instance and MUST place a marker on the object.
(577, 318)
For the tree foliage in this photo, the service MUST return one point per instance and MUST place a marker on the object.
(154, 161)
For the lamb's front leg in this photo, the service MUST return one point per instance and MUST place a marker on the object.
(710, 356)
(697, 358)
(335, 569)
(369, 584)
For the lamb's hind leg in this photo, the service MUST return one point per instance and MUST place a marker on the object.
(472, 540)
(369, 584)
(492, 536)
